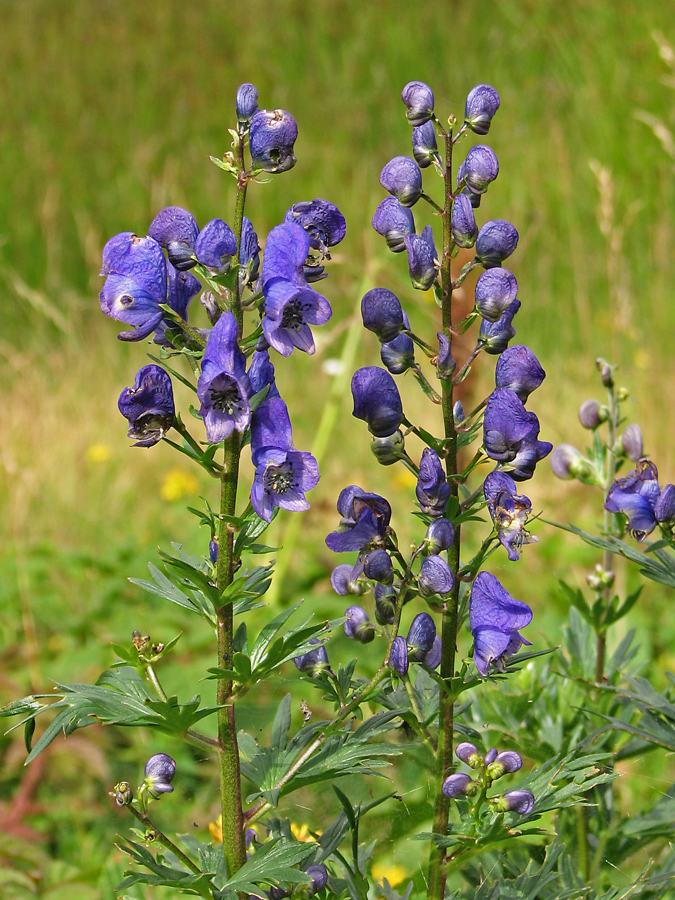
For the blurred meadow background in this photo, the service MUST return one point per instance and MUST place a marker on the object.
(109, 112)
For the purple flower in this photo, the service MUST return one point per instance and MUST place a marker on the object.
(148, 406)
(419, 100)
(508, 761)
(432, 489)
(136, 283)
(159, 772)
(249, 254)
(223, 386)
(394, 222)
(509, 511)
(511, 434)
(323, 222)
(636, 496)
(518, 370)
(377, 400)
(445, 364)
(398, 355)
(319, 876)
(261, 374)
(496, 289)
(385, 600)
(455, 785)
(283, 474)
(664, 508)
(568, 462)
(398, 657)
(495, 336)
(215, 245)
(631, 442)
(481, 167)
(592, 414)
(464, 228)
(291, 306)
(435, 577)
(495, 622)
(402, 177)
(425, 148)
(440, 535)
(490, 756)
(468, 753)
(421, 636)
(272, 134)
(314, 661)
(433, 657)
(364, 521)
(175, 229)
(521, 802)
(378, 567)
(344, 580)
(358, 626)
(473, 197)
(496, 241)
(481, 105)
(246, 103)
(422, 259)
(382, 313)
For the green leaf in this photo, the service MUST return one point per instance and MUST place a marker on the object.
(164, 587)
(271, 865)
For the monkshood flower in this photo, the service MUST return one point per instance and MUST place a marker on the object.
(364, 521)
(433, 657)
(636, 496)
(435, 577)
(388, 450)
(136, 283)
(246, 103)
(398, 355)
(322, 220)
(568, 462)
(272, 134)
(445, 364)
(521, 802)
(148, 406)
(122, 793)
(398, 657)
(509, 512)
(382, 313)
(385, 600)
(421, 637)
(531, 451)
(425, 148)
(377, 400)
(480, 168)
(481, 105)
(506, 762)
(631, 442)
(440, 535)
(176, 229)
(291, 306)
(496, 241)
(496, 289)
(432, 490)
(495, 619)
(319, 875)
(592, 414)
(473, 197)
(518, 370)
(456, 785)
(223, 386)
(344, 580)
(283, 474)
(402, 177)
(249, 254)
(664, 508)
(490, 756)
(458, 414)
(422, 259)
(159, 772)
(378, 567)
(215, 245)
(468, 753)
(358, 626)
(213, 551)
(464, 228)
(261, 374)
(419, 100)
(495, 336)
(314, 661)
(393, 222)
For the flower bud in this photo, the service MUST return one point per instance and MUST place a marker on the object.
(319, 877)
(464, 228)
(568, 462)
(388, 450)
(246, 103)
(432, 488)
(398, 657)
(495, 336)
(393, 222)
(507, 761)
(481, 167)
(457, 784)
(664, 508)
(402, 177)
(215, 245)
(458, 414)
(496, 289)
(272, 136)
(631, 442)
(468, 753)
(594, 583)
(435, 577)
(122, 793)
(358, 626)
(519, 371)
(445, 365)
(210, 304)
(425, 148)
(422, 259)
(419, 100)
(606, 372)
(496, 241)
(440, 535)
(377, 400)
(382, 313)
(213, 551)
(314, 661)
(344, 582)
(159, 772)
(490, 756)
(481, 105)
(521, 802)
(421, 636)
(592, 415)
(385, 598)
(398, 355)
(432, 658)
(378, 566)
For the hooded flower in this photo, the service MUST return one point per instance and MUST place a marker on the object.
(481, 105)
(402, 177)
(435, 577)
(398, 658)
(148, 406)
(495, 622)
(510, 434)
(377, 400)
(425, 148)
(636, 497)
(283, 474)
(518, 370)
(314, 661)
(419, 100)
(246, 103)
(496, 241)
(272, 135)
(393, 222)
(433, 490)
(496, 289)
(159, 772)
(464, 228)
(422, 259)
(175, 229)
(509, 511)
(291, 306)
(358, 626)
(382, 313)
(481, 167)
(421, 637)
(495, 336)
(223, 386)
(364, 521)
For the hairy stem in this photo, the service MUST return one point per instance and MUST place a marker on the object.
(607, 556)
(164, 840)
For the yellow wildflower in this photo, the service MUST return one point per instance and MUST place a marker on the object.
(178, 483)
(98, 453)
(393, 873)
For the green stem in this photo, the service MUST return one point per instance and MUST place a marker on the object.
(419, 724)
(164, 840)
(607, 556)
(437, 872)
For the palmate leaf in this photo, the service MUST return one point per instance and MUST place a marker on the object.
(165, 587)
(657, 725)
(160, 874)
(269, 866)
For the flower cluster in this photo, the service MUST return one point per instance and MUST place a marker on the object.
(490, 767)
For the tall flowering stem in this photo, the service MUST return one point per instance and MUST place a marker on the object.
(444, 764)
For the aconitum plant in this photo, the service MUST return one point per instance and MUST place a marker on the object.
(436, 634)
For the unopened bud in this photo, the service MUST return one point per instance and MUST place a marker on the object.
(622, 394)
(631, 442)
(388, 450)
(566, 461)
(592, 414)
(468, 753)
(122, 793)
(606, 372)
(208, 301)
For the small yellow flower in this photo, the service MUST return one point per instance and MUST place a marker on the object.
(301, 832)
(405, 479)
(216, 830)
(393, 873)
(98, 453)
(178, 484)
